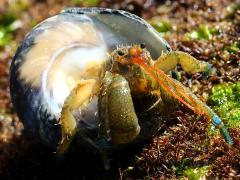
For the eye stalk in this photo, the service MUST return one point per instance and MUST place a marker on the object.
(142, 45)
(120, 52)
(127, 55)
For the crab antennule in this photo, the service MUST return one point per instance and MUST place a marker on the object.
(184, 95)
(179, 89)
(163, 83)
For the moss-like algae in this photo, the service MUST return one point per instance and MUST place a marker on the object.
(196, 173)
(225, 101)
(161, 26)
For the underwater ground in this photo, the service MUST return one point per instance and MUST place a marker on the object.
(185, 146)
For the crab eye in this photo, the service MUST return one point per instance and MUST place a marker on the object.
(142, 45)
(120, 53)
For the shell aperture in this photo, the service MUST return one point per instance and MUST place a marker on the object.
(63, 51)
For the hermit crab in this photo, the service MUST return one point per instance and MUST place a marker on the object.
(83, 73)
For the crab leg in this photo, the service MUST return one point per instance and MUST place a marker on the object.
(208, 112)
(169, 61)
(184, 95)
(80, 94)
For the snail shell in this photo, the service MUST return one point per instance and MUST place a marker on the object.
(64, 50)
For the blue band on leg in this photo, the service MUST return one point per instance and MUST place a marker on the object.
(218, 123)
(216, 120)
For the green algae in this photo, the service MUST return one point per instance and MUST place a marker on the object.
(191, 172)
(202, 32)
(10, 21)
(161, 26)
(233, 48)
(225, 101)
(196, 173)
(86, 3)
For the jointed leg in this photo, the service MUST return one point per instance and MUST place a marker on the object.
(79, 95)
(198, 106)
(178, 91)
(169, 61)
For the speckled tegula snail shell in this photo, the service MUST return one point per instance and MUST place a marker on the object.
(58, 53)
